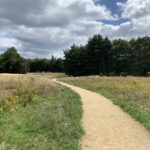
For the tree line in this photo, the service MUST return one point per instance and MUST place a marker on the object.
(101, 56)
(12, 62)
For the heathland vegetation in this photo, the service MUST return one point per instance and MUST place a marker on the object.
(37, 114)
(132, 94)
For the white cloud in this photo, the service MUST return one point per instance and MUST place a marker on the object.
(135, 9)
(39, 13)
(6, 42)
(45, 27)
(138, 13)
(42, 28)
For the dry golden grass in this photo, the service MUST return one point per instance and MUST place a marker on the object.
(49, 75)
(24, 88)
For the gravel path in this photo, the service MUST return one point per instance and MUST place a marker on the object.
(107, 127)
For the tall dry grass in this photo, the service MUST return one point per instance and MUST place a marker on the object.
(22, 89)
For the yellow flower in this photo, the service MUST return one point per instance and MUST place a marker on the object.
(12, 110)
(1, 109)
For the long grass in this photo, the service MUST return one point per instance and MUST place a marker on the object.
(132, 94)
(50, 75)
(45, 116)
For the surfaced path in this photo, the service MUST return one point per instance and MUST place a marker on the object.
(107, 127)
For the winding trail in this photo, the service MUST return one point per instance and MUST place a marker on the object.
(106, 126)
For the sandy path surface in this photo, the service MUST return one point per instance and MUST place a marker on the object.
(107, 127)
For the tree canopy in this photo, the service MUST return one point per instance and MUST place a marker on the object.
(12, 62)
(101, 56)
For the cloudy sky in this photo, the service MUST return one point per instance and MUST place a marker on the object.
(42, 28)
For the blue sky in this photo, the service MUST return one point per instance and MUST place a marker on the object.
(7, 35)
(42, 28)
(111, 4)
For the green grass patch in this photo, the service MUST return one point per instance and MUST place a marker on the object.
(132, 94)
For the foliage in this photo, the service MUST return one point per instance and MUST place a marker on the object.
(75, 59)
(8, 104)
(104, 57)
(46, 65)
(122, 56)
(141, 56)
(12, 62)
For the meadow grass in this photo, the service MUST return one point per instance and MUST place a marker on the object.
(50, 75)
(37, 114)
(132, 94)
